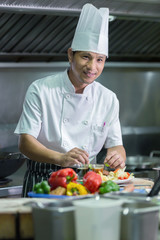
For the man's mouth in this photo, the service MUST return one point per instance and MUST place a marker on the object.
(89, 74)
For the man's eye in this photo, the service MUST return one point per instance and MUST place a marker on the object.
(85, 57)
(101, 60)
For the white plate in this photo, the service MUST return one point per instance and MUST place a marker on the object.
(123, 181)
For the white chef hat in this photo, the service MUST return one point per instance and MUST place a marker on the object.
(92, 30)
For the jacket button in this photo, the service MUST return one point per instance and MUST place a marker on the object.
(65, 144)
(84, 147)
(67, 96)
(86, 122)
(65, 120)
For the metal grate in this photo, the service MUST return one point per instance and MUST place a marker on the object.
(46, 37)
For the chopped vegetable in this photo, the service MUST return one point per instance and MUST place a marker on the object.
(121, 174)
(59, 191)
(92, 181)
(74, 189)
(62, 177)
(118, 174)
(106, 164)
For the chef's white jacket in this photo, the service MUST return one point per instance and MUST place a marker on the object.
(61, 119)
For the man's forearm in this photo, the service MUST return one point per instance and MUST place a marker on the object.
(34, 150)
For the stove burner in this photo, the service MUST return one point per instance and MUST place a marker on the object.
(4, 181)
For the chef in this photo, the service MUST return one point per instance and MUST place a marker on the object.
(68, 117)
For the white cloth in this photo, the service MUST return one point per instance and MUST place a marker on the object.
(92, 30)
(61, 119)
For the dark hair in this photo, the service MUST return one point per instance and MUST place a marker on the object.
(74, 52)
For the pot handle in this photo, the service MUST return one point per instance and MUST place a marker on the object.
(155, 153)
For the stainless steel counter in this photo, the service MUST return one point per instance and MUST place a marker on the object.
(11, 192)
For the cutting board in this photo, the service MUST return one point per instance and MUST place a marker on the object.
(142, 183)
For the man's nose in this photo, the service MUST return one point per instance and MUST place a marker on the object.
(91, 64)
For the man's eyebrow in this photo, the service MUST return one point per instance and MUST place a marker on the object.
(100, 56)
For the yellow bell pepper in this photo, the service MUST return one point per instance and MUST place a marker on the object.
(76, 189)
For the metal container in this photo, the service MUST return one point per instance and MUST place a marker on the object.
(54, 221)
(139, 221)
(96, 218)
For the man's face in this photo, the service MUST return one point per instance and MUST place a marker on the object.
(85, 67)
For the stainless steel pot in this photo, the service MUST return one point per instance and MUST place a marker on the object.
(139, 220)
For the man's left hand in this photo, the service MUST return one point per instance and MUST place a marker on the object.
(116, 157)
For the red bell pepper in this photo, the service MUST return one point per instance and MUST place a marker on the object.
(92, 181)
(62, 177)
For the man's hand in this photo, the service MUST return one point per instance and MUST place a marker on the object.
(74, 156)
(116, 157)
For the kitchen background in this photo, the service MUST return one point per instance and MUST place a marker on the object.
(34, 38)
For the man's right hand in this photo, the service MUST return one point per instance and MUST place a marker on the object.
(34, 150)
(74, 156)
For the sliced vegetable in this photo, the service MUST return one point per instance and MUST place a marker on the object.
(58, 191)
(106, 164)
(121, 174)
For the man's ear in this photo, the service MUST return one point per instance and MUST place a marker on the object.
(70, 55)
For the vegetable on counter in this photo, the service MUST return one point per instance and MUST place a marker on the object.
(63, 182)
(74, 189)
(108, 186)
(92, 181)
(42, 187)
(62, 177)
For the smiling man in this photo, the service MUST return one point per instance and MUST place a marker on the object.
(85, 67)
(67, 118)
